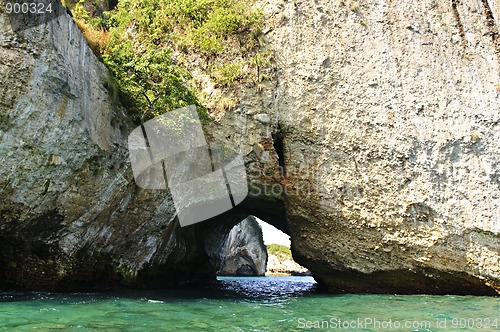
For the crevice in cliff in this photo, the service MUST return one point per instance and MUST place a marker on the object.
(494, 32)
(279, 148)
(460, 26)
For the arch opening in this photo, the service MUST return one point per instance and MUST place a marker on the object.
(255, 248)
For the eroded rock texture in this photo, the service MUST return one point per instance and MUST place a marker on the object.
(245, 252)
(390, 113)
(385, 120)
(374, 144)
(71, 216)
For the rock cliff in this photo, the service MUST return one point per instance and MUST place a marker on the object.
(280, 261)
(71, 216)
(374, 145)
(279, 266)
(385, 118)
(245, 252)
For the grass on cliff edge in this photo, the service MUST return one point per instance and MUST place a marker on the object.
(148, 47)
(280, 251)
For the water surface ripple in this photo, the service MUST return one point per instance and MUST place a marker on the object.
(245, 304)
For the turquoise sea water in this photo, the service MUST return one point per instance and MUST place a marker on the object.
(245, 304)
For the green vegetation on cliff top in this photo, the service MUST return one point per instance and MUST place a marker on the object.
(150, 46)
(280, 251)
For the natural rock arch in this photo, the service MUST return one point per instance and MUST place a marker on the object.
(401, 157)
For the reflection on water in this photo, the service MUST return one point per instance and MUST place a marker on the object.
(266, 288)
(231, 288)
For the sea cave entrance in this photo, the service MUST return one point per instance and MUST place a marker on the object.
(255, 248)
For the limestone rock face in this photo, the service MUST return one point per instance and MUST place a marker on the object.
(71, 215)
(281, 265)
(374, 144)
(382, 143)
(388, 119)
(245, 252)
